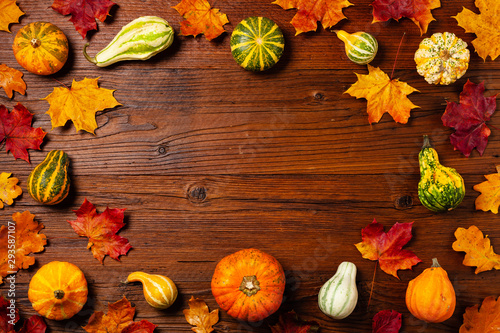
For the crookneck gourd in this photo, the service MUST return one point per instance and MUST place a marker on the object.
(360, 47)
(160, 291)
(440, 188)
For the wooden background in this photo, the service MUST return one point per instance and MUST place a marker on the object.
(208, 159)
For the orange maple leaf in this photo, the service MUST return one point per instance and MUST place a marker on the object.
(79, 104)
(200, 18)
(199, 316)
(489, 199)
(383, 95)
(478, 249)
(8, 189)
(328, 12)
(24, 234)
(119, 319)
(486, 319)
(484, 25)
(9, 13)
(11, 79)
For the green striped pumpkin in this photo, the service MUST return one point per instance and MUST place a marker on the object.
(141, 39)
(440, 188)
(49, 183)
(257, 43)
(338, 297)
(360, 47)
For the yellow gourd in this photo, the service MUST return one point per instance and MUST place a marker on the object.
(160, 292)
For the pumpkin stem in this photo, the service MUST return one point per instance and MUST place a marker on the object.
(427, 142)
(35, 42)
(250, 285)
(445, 55)
(92, 60)
(59, 294)
(435, 263)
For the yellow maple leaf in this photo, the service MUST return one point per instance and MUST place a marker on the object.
(9, 13)
(200, 18)
(383, 95)
(477, 248)
(79, 104)
(489, 199)
(8, 189)
(24, 234)
(199, 316)
(11, 79)
(485, 25)
(329, 12)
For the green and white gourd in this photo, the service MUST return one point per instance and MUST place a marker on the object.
(141, 39)
(257, 43)
(338, 297)
(360, 47)
(440, 188)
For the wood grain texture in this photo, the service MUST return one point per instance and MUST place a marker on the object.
(208, 158)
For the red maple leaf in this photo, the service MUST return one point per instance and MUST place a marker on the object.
(387, 321)
(16, 130)
(101, 230)
(469, 118)
(84, 12)
(419, 11)
(387, 248)
(142, 326)
(9, 315)
(290, 323)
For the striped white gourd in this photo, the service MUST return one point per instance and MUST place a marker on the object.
(360, 47)
(338, 297)
(160, 292)
(141, 39)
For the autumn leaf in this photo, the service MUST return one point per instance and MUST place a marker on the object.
(387, 247)
(35, 324)
(9, 13)
(8, 189)
(477, 248)
(419, 11)
(469, 118)
(290, 323)
(200, 18)
(484, 320)
(386, 321)
(489, 199)
(101, 230)
(27, 240)
(119, 319)
(309, 12)
(84, 12)
(16, 130)
(484, 25)
(79, 104)
(11, 80)
(198, 315)
(383, 95)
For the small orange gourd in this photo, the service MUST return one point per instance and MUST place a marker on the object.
(41, 48)
(58, 290)
(249, 285)
(430, 296)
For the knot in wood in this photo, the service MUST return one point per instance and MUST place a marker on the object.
(319, 96)
(404, 202)
(197, 194)
(162, 150)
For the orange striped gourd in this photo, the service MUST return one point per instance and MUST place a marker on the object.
(160, 292)
(49, 182)
(58, 290)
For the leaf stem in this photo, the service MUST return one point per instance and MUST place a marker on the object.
(371, 289)
(62, 84)
(397, 53)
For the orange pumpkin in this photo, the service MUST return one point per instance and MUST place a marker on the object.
(41, 48)
(58, 290)
(430, 296)
(249, 285)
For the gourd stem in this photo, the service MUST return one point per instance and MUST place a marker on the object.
(435, 263)
(250, 285)
(427, 142)
(59, 294)
(35, 42)
(92, 60)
